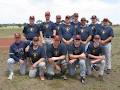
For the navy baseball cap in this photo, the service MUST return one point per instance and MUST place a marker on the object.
(76, 15)
(94, 17)
(67, 17)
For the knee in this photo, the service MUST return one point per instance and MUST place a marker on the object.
(10, 61)
(42, 64)
(103, 62)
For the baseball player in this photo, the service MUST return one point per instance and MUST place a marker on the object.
(36, 54)
(47, 30)
(94, 26)
(17, 55)
(95, 55)
(56, 58)
(58, 24)
(85, 33)
(77, 57)
(76, 23)
(67, 32)
(106, 34)
(31, 30)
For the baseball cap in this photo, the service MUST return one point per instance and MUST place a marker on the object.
(47, 13)
(32, 18)
(106, 20)
(94, 17)
(17, 35)
(58, 16)
(77, 37)
(36, 38)
(76, 15)
(67, 17)
(57, 38)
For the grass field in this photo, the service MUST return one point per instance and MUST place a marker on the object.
(112, 81)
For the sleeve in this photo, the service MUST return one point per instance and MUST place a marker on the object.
(24, 29)
(70, 49)
(49, 51)
(42, 53)
(12, 54)
(89, 31)
(64, 50)
(102, 50)
(111, 32)
(73, 32)
(61, 31)
(53, 26)
(41, 27)
(83, 48)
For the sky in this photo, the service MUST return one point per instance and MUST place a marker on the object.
(18, 11)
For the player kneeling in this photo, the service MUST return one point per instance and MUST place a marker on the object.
(56, 58)
(77, 57)
(96, 56)
(17, 55)
(36, 54)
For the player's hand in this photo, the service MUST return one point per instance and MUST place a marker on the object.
(21, 61)
(103, 42)
(53, 58)
(93, 62)
(43, 41)
(27, 48)
(34, 65)
(71, 61)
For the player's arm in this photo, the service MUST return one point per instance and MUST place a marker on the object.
(107, 40)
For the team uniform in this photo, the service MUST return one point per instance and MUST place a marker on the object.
(17, 52)
(105, 33)
(76, 27)
(57, 28)
(99, 51)
(47, 30)
(56, 52)
(30, 31)
(67, 32)
(72, 67)
(95, 28)
(85, 32)
(35, 55)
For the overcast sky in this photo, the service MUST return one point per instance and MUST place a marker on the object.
(18, 11)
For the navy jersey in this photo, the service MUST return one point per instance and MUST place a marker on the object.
(31, 31)
(76, 27)
(106, 32)
(17, 50)
(56, 52)
(85, 32)
(76, 50)
(67, 32)
(95, 28)
(95, 51)
(47, 29)
(57, 28)
(36, 54)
